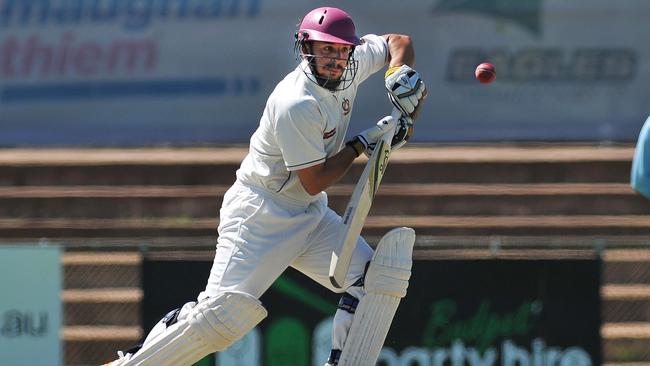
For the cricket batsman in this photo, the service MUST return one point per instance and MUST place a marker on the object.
(275, 215)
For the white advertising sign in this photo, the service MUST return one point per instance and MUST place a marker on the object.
(138, 72)
(30, 306)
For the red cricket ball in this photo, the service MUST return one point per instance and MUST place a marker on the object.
(485, 73)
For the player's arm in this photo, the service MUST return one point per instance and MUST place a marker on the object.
(400, 50)
(318, 178)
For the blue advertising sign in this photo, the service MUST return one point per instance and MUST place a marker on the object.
(30, 306)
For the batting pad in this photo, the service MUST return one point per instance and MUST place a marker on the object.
(211, 326)
(386, 283)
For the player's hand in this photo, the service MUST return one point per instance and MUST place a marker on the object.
(403, 132)
(406, 90)
(367, 139)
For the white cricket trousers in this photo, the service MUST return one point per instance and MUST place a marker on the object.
(261, 234)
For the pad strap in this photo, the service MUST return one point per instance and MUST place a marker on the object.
(348, 303)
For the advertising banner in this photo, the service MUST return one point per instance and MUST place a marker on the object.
(30, 306)
(457, 312)
(142, 72)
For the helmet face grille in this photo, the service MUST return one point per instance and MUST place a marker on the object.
(307, 62)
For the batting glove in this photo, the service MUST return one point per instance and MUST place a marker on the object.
(367, 139)
(403, 132)
(406, 90)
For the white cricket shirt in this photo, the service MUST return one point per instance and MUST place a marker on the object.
(303, 124)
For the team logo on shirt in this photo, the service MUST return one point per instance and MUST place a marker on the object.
(329, 134)
(346, 106)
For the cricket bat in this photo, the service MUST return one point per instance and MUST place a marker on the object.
(359, 205)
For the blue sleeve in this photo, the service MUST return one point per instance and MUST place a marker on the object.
(640, 176)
